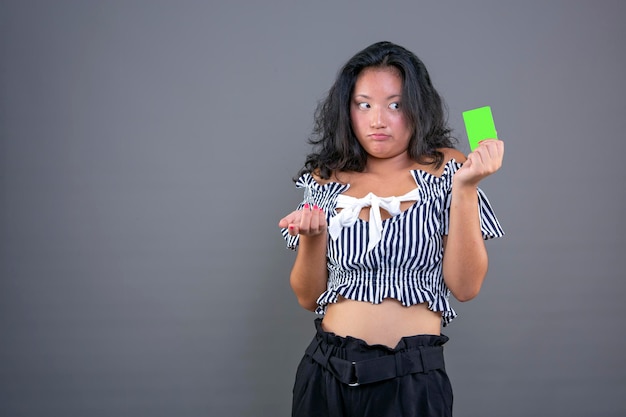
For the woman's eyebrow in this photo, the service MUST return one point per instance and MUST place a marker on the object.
(368, 97)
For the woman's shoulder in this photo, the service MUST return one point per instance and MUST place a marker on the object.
(334, 177)
(315, 181)
(315, 176)
(448, 154)
(452, 153)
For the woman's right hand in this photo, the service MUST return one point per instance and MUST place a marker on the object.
(310, 221)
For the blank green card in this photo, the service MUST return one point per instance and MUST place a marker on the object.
(479, 125)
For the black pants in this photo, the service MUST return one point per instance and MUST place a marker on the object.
(346, 377)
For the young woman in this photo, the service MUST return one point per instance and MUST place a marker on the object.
(392, 222)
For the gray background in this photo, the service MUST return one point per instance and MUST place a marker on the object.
(146, 156)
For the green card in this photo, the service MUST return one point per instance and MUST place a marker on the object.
(479, 125)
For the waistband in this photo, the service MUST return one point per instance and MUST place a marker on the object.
(354, 362)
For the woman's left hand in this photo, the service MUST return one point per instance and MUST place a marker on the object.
(482, 162)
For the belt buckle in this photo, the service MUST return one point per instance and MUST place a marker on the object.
(356, 382)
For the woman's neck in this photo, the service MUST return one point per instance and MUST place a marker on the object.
(389, 166)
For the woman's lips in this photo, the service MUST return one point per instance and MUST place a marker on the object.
(379, 136)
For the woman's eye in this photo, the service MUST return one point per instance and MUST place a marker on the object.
(394, 106)
(363, 105)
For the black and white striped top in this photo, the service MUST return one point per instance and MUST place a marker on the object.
(406, 263)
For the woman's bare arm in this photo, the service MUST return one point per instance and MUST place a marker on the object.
(309, 273)
(465, 260)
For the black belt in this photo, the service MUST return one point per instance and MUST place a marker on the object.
(367, 371)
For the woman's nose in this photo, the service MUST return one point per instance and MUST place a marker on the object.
(377, 119)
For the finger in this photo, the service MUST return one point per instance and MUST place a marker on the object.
(492, 157)
(485, 163)
(476, 157)
(488, 152)
(318, 220)
(305, 219)
(293, 230)
(314, 224)
(322, 220)
(500, 146)
(495, 150)
(484, 145)
(492, 150)
(291, 218)
(494, 146)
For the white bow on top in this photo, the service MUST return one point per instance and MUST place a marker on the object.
(351, 207)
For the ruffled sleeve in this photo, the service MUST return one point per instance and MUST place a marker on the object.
(324, 196)
(489, 225)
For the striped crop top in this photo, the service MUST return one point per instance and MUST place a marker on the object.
(400, 257)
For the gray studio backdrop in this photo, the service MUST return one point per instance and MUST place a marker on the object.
(146, 156)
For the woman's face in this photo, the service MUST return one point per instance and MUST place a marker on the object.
(375, 112)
